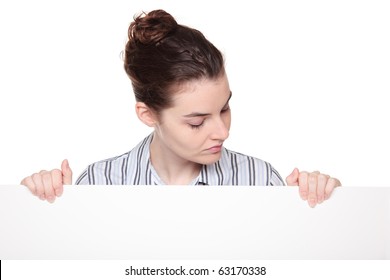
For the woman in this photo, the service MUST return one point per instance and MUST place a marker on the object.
(182, 91)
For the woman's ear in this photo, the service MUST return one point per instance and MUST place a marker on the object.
(145, 114)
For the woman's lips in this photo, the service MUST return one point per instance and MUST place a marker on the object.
(215, 149)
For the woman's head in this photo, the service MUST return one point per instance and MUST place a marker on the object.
(162, 55)
(180, 86)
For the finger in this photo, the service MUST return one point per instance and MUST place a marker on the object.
(56, 177)
(40, 190)
(66, 172)
(330, 185)
(303, 185)
(292, 179)
(48, 186)
(322, 180)
(312, 196)
(29, 183)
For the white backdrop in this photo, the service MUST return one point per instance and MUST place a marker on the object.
(309, 80)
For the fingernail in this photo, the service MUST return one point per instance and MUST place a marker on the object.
(304, 195)
(42, 197)
(312, 203)
(50, 199)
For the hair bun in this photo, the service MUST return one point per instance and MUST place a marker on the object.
(150, 28)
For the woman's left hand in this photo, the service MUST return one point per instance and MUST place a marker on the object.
(314, 187)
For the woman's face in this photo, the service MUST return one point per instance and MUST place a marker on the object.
(198, 123)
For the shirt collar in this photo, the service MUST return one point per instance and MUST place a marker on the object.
(211, 174)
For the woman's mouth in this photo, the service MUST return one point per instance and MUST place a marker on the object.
(215, 149)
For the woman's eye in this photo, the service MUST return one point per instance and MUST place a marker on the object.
(196, 126)
(225, 109)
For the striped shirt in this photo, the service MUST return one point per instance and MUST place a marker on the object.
(135, 168)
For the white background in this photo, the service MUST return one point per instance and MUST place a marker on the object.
(309, 80)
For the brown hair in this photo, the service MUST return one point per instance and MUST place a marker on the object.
(161, 54)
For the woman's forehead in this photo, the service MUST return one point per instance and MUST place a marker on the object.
(202, 90)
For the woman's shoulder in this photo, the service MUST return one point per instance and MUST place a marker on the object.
(248, 170)
(240, 158)
(109, 171)
(115, 170)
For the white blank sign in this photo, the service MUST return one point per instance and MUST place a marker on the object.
(188, 222)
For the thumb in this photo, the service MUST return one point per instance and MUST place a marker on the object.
(292, 179)
(66, 172)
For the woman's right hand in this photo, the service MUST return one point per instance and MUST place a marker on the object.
(49, 184)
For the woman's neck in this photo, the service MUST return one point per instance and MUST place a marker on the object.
(172, 169)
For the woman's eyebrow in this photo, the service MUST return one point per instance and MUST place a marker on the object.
(230, 96)
(198, 114)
